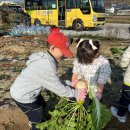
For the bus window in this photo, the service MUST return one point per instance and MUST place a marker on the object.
(51, 4)
(40, 4)
(84, 6)
(98, 6)
(71, 4)
(28, 4)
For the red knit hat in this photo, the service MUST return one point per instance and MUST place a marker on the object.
(58, 39)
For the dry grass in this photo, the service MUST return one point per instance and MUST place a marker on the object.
(118, 19)
(13, 50)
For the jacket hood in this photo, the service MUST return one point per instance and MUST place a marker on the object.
(34, 57)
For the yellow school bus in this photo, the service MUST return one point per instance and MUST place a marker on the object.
(78, 14)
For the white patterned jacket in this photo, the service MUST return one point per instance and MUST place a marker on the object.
(95, 73)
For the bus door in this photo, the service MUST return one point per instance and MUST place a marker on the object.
(72, 12)
(50, 14)
(61, 13)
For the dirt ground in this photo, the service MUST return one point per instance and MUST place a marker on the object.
(13, 55)
(118, 19)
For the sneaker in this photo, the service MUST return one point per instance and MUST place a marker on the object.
(114, 110)
(129, 108)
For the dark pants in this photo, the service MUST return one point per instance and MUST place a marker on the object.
(124, 100)
(34, 111)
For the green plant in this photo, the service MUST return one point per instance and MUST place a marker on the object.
(117, 51)
(72, 115)
(89, 36)
(5, 76)
(17, 69)
(67, 115)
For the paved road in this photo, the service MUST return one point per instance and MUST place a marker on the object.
(120, 26)
(109, 30)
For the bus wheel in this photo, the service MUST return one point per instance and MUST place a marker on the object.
(37, 22)
(78, 25)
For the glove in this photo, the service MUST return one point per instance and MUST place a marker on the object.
(81, 94)
(98, 95)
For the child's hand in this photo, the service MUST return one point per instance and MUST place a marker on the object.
(74, 82)
(74, 79)
(99, 91)
(100, 88)
(81, 94)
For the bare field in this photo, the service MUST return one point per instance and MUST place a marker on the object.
(118, 19)
(13, 55)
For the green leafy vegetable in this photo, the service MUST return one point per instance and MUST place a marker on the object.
(70, 115)
(118, 51)
(105, 117)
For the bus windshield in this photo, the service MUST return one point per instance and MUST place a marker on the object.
(98, 6)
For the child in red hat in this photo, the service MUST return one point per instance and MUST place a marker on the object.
(60, 41)
(40, 74)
